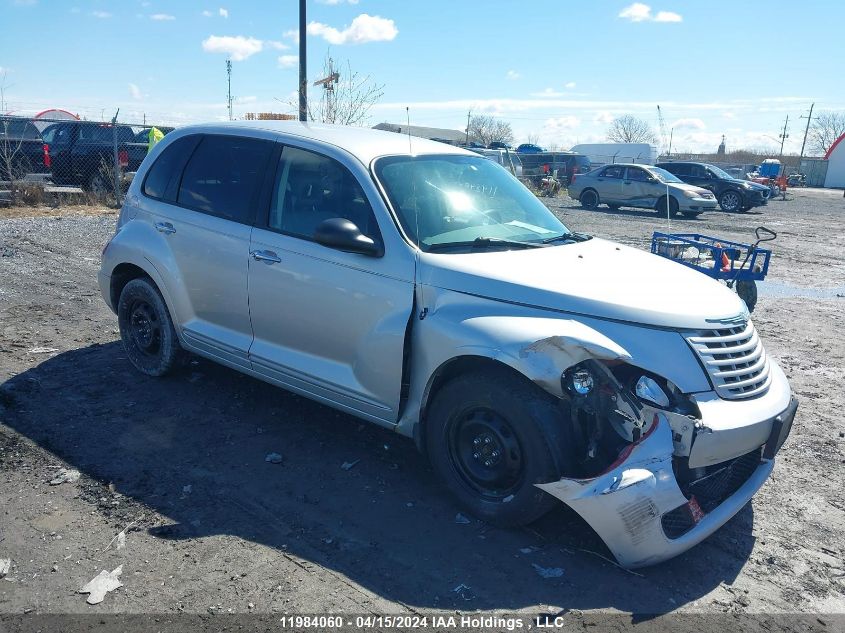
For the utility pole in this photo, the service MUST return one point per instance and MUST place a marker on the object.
(303, 82)
(229, 97)
(469, 114)
(783, 135)
(806, 131)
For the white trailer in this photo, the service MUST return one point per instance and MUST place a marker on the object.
(604, 153)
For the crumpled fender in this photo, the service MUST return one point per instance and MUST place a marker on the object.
(539, 344)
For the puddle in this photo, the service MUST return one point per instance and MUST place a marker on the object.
(777, 289)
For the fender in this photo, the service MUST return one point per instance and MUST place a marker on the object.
(539, 344)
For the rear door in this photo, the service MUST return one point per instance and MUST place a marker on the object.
(327, 323)
(205, 219)
(609, 183)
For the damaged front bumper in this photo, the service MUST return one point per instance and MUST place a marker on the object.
(644, 515)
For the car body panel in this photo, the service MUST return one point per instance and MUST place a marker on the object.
(371, 335)
(702, 175)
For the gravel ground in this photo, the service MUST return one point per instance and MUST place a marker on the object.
(213, 528)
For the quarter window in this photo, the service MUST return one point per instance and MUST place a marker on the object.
(164, 175)
(311, 188)
(224, 175)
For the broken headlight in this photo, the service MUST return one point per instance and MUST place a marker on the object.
(647, 389)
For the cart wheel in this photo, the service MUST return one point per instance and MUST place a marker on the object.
(747, 291)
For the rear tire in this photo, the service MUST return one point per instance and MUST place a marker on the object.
(589, 199)
(146, 329)
(490, 437)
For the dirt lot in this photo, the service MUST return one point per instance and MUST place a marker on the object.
(213, 528)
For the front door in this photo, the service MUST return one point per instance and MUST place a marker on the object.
(639, 188)
(328, 324)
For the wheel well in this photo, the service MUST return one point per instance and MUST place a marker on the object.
(662, 198)
(122, 275)
(588, 189)
(449, 370)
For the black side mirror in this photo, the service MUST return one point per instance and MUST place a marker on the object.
(344, 235)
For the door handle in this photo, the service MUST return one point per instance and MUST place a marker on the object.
(165, 227)
(266, 256)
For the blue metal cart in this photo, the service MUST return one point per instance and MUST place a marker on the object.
(739, 265)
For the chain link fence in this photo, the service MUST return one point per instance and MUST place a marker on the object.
(70, 162)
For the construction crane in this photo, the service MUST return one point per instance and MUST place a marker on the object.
(667, 146)
(328, 84)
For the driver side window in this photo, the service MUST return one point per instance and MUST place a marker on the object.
(311, 188)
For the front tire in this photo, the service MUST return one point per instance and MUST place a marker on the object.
(731, 201)
(589, 199)
(490, 437)
(690, 215)
(146, 329)
(660, 208)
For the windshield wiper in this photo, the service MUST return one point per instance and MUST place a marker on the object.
(572, 237)
(484, 243)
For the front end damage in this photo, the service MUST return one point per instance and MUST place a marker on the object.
(633, 480)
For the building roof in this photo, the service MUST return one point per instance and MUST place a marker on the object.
(363, 143)
(833, 147)
(432, 133)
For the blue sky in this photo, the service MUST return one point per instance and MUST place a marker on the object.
(556, 69)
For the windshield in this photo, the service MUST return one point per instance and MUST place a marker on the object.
(663, 175)
(454, 199)
(719, 173)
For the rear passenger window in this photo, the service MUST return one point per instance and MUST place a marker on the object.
(678, 170)
(224, 175)
(613, 172)
(163, 178)
(311, 188)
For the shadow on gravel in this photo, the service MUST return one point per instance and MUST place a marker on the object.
(650, 214)
(383, 523)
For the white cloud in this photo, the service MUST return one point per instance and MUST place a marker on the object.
(728, 115)
(364, 28)
(562, 123)
(639, 12)
(101, 14)
(135, 91)
(689, 124)
(279, 46)
(248, 99)
(288, 61)
(668, 16)
(292, 34)
(570, 85)
(162, 17)
(207, 13)
(603, 118)
(224, 13)
(512, 74)
(236, 46)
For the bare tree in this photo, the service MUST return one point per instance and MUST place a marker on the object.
(825, 129)
(533, 139)
(347, 98)
(486, 129)
(630, 129)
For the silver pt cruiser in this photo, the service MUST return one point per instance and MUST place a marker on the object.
(423, 288)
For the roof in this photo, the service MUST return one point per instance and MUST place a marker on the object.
(433, 133)
(833, 147)
(363, 143)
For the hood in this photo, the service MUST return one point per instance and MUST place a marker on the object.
(688, 187)
(754, 185)
(596, 278)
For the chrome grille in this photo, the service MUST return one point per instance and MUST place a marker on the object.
(735, 360)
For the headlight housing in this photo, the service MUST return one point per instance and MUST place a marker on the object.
(691, 194)
(647, 389)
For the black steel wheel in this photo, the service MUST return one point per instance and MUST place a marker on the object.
(491, 435)
(146, 328)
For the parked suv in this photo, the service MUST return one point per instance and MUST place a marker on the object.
(426, 290)
(732, 193)
(640, 186)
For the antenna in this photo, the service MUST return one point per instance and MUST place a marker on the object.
(229, 96)
(408, 118)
